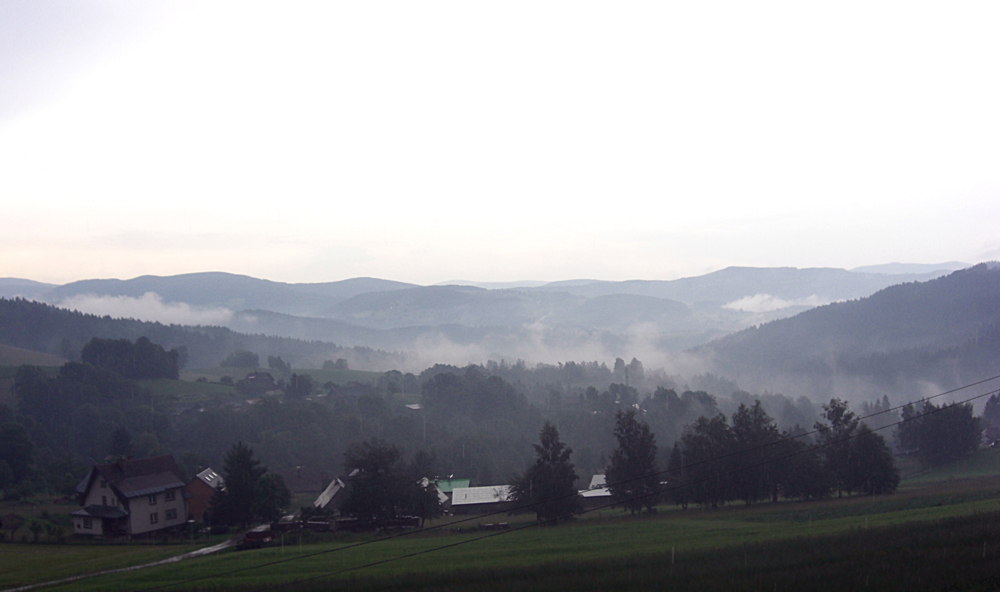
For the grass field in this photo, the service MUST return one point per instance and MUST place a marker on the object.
(16, 356)
(935, 525)
(189, 391)
(340, 377)
(943, 526)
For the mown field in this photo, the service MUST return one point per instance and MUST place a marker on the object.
(941, 531)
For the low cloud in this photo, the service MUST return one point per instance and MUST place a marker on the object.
(148, 307)
(767, 303)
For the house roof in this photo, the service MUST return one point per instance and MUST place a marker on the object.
(490, 494)
(141, 476)
(148, 484)
(596, 492)
(448, 485)
(95, 511)
(335, 487)
(211, 478)
(329, 493)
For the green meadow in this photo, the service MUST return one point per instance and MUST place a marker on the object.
(915, 539)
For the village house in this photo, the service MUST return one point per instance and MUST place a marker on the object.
(131, 497)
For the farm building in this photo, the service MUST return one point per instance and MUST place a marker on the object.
(468, 500)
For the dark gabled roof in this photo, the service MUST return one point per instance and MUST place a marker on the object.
(95, 511)
(142, 476)
(148, 484)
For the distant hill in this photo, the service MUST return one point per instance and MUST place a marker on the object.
(231, 291)
(906, 268)
(45, 328)
(558, 321)
(945, 332)
(733, 283)
(20, 288)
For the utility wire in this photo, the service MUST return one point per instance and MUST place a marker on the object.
(528, 506)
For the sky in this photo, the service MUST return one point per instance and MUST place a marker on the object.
(435, 141)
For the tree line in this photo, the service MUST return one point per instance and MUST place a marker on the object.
(716, 462)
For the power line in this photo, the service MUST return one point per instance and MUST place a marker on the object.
(528, 506)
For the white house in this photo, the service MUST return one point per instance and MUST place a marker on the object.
(130, 497)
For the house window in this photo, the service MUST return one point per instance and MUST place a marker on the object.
(154, 517)
(152, 499)
(104, 484)
(88, 523)
(170, 514)
(104, 500)
(170, 495)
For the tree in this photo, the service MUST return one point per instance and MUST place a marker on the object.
(279, 365)
(381, 487)
(836, 439)
(803, 474)
(677, 487)
(940, 435)
(241, 359)
(241, 473)
(121, 443)
(271, 497)
(140, 360)
(706, 445)
(872, 469)
(16, 451)
(754, 435)
(991, 418)
(631, 474)
(425, 502)
(548, 484)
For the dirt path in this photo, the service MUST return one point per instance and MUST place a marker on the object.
(198, 553)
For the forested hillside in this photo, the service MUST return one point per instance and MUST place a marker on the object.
(945, 331)
(41, 327)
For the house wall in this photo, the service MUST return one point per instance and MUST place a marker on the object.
(201, 498)
(98, 496)
(140, 509)
(96, 526)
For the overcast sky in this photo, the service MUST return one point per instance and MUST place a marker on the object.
(433, 141)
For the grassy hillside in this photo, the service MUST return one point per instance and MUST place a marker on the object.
(16, 356)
